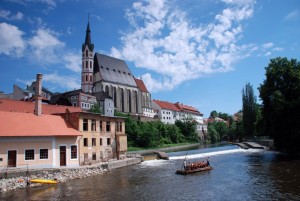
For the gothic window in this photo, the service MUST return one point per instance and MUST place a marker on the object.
(91, 78)
(86, 78)
(115, 96)
(86, 53)
(91, 65)
(122, 100)
(136, 101)
(129, 100)
(107, 90)
(86, 64)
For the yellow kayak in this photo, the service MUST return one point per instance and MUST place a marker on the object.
(43, 181)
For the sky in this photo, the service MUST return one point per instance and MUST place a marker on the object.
(200, 53)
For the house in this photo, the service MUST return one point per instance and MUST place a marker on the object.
(76, 98)
(30, 138)
(45, 141)
(167, 112)
(103, 137)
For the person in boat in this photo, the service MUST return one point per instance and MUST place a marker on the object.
(207, 162)
(184, 165)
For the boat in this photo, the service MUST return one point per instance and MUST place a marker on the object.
(43, 181)
(190, 171)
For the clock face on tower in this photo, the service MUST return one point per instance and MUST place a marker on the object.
(91, 54)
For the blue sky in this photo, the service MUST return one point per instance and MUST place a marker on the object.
(197, 52)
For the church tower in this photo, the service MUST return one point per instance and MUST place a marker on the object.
(87, 62)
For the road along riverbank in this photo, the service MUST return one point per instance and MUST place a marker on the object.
(13, 179)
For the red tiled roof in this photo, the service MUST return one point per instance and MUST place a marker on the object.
(28, 124)
(10, 105)
(141, 85)
(166, 105)
(186, 108)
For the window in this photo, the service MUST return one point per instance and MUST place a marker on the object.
(94, 156)
(93, 125)
(117, 126)
(108, 141)
(85, 142)
(100, 125)
(93, 142)
(91, 78)
(86, 53)
(100, 141)
(120, 126)
(43, 153)
(29, 154)
(108, 126)
(82, 65)
(74, 104)
(85, 124)
(86, 64)
(86, 78)
(91, 64)
(73, 151)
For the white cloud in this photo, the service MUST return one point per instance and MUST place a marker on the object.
(292, 15)
(73, 61)
(11, 41)
(6, 14)
(44, 46)
(165, 41)
(65, 82)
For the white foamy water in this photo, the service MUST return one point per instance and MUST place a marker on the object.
(208, 154)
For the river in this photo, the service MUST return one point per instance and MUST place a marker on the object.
(238, 174)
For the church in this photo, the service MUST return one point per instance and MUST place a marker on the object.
(102, 73)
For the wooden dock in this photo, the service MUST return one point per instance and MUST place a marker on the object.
(162, 155)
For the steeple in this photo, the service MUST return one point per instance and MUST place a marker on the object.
(87, 77)
(88, 38)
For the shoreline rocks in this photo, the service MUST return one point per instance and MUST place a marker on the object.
(62, 175)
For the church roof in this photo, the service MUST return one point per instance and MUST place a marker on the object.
(141, 85)
(113, 70)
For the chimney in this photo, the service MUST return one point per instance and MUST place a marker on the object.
(38, 95)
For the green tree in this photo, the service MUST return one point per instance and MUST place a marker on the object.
(249, 110)
(188, 129)
(95, 109)
(214, 114)
(280, 95)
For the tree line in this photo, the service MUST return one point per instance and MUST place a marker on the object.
(157, 134)
(278, 115)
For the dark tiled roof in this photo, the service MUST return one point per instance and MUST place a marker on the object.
(101, 96)
(113, 70)
(141, 85)
(63, 97)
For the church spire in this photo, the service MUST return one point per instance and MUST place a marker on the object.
(88, 37)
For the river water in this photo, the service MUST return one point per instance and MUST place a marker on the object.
(238, 174)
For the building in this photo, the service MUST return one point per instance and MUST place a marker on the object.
(27, 94)
(76, 98)
(146, 99)
(29, 138)
(170, 112)
(102, 73)
(167, 112)
(103, 137)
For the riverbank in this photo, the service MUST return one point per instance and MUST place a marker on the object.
(13, 179)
